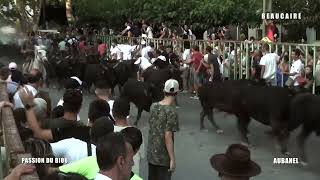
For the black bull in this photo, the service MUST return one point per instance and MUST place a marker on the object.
(267, 105)
(114, 73)
(305, 109)
(142, 94)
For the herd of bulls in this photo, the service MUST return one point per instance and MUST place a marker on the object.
(282, 109)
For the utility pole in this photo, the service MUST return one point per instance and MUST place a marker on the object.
(263, 25)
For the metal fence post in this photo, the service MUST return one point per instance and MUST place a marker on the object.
(314, 69)
(247, 60)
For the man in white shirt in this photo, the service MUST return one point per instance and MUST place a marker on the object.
(114, 157)
(126, 50)
(143, 64)
(74, 149)
(185, 67)
(34, 83)
(149, 32)
(115, 51)
(268, 65)
(144, 50)
(296, 69)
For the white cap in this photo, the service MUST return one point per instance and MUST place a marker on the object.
(143, 42)
(13, 66)
(77, 79)
(171, 86)
(162, 58)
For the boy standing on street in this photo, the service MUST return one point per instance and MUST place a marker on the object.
(163, 123)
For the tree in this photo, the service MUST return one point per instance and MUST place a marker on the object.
(23, 13)
(308, 8)
(200, 13)
(69, 12)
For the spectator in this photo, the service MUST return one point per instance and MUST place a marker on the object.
(173, 57)
(268, 65)
(121, 109)
(16, 75)
(282, 71)
(296, 70)
(102, 48)
(40, 110)
(98, 108)
(163, 123)
(39, 148)
(89, 168)
(134, 137)
(103, 91)
(20, 170)
(186, 56)
(149, 31)
(227, 33)
(196, 70)
(115, 51)
(34, 83)
(213, 65)
(126, 31)
(143, 64)
(235, 164)
(309, 79)
(256, 68)
(114, 157)
(60, 128)
(71, 83)
(12, 87)
(164, 32)
(74, 149)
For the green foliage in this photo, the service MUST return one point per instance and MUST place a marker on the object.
(308, 8)
(200, 13)
(18, 14)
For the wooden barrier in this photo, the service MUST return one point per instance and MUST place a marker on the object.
(12, 141)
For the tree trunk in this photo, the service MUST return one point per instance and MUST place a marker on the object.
(69, 14)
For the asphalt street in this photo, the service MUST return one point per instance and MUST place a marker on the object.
(194, 148)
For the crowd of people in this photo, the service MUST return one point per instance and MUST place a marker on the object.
(107, 147)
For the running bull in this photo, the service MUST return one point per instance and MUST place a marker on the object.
(267, 105)
(305, 110)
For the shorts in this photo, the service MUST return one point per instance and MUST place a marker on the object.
(198, 79)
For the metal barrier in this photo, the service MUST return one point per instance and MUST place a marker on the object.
(14, 149)
(237, 52)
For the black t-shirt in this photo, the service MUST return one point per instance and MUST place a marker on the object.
(257, 67)
(213, 59)
(63, 129)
